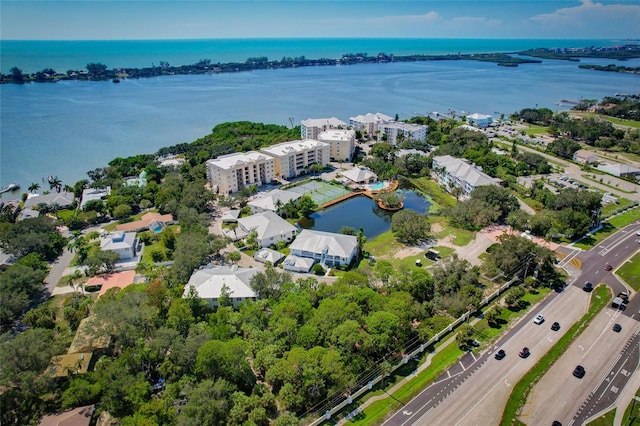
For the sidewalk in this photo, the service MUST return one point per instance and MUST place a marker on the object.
(626, 396)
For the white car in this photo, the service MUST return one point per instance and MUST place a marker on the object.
(539, 319)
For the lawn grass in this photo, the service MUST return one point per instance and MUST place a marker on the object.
(609, 227)
(630, 272)
(461, 237)
(605, 420)
(612, 120)
(532, 129)
(383, 245)
(632, 413)
(600, 298)
(439, 197)
(622, 202)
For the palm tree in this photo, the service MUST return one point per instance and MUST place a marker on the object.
(34, 187)
(55, 182)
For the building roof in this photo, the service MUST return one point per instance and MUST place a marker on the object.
(478, 116)
(470, 128)
(411, 151)
(464, 171)
(117, 240)
(89, 194)
(28, 214)
(322, 122)
(298, 263)
(405, 126)
(618, 169)
(64, 199)
(359, 174)
(236, 159)
(266, 224)
(80, 416)
(269, 200)
(267, 255)
(75, 363)
(115, 280)
(230, 216)
(89, 336)
(337, 135)
(145, 221)
(320, 241)
(208, 283)
(172, 162)
(287, 148)
(371, 118)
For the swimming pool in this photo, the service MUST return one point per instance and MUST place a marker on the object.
(376, 186)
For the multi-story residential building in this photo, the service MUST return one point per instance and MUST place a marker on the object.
(342, 143)
(396, 131)
(293, 158)
(369, 123)
(232, 172)
(210, 283)
(457, 173)
(312, 127)
(327, 248)
(480, 120)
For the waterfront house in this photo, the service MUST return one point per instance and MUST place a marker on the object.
(272, 201)
(269, 227)
(369, 123)
(294, 158)
(209, 284)
(480, 120)
(312, 127)
(62, 199)
(398, 131)
(125, 244)
(454, 172)
(232, 172)
(342, 143)
(89, 194)
(327, 248)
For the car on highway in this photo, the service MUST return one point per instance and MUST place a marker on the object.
(579, 371)
(587, 286)
(607, 267)
(539, 319)
(500, 354)
(524, 352)
(617, 328)
(555, 326)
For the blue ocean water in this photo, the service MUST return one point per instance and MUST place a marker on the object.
(36, 55)
(68, 128)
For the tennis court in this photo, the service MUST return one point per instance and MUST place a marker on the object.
(321, 192)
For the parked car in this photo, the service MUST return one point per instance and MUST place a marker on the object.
(579, 371)
(539, 319)
(587, 286)
(524, 352)
(555, 326)
(607, 267)
(617, 328)
(500, 354)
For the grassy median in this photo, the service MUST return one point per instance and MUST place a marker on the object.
(600, 298)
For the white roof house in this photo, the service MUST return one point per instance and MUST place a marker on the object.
(126, 244)
(458, 172)
(297, 264)
(90, 194)
(270, 228)
(62, 199)
(370, 122)
(267, 255)
(293, 158)
(268, 201)
(342, 143)
(230, 216)
(325, 247)
(208, 283)
(311, 127)
(232, 172)
(360, 175)
(480, 120)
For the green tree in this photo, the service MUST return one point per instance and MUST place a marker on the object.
(226, 360)
(409, 226)
(306, 206)
(16, 75)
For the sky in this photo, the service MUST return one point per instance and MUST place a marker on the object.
(209, 19)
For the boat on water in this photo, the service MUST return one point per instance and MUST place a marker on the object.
(13, 186)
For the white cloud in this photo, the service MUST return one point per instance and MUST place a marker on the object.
(592, 19)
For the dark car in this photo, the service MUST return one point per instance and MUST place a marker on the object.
(608, 267)
(555, 326)
(617, 328)
(556, 423)
(587, 286)
(500, 354)
(579, 371)
(524, 352)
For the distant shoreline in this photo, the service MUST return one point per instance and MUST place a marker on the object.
(100, 72)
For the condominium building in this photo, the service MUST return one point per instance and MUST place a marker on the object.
(293, 158)
(369, 123)
(342, 143)
(455, 172)
(396, 131)
(480, 120)
(312, 127)
(232, 172)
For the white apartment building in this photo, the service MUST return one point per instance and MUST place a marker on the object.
(457, 172)
(312, 127)
(369, 123)
(480, 120)
(396, 131)
(342, 143)
(232, 172)
(293, 158)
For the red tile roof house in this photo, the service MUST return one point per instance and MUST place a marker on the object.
(149, 221)
(80, 416)
(115, 280)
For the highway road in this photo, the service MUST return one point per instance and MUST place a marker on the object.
(478, 393)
